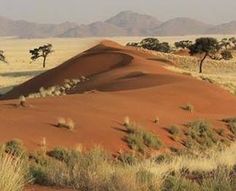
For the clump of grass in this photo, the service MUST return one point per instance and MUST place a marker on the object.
(232, 127)
(22, 101)
(126, 121)
(174, 130)
(67, 124)
(15, 147)
(128, 158)
(201, 132)
(140, 139)
(60, 153)
(13, 173)
(156, 120)
(188, 107)
(231, 124)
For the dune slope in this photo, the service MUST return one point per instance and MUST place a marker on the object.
(125, 82)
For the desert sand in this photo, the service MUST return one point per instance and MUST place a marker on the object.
(121, 82)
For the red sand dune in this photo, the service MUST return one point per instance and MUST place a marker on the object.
(127, 83)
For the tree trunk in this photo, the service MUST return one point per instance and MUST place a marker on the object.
(201, 62)
(44, 61)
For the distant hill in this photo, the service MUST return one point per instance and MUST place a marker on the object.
(226, 28)
(126, 23)
(181, 26)
(134, 23)
(95, 29)
(24, 29)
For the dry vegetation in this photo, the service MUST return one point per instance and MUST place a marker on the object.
(97, 170)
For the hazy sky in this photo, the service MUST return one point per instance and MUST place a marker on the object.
(84, 11)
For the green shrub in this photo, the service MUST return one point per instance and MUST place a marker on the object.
(201, 132)
(139, 139)
(174, 130)
(15, 147)
(60, 153)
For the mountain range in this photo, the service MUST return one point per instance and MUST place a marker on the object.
(126, 23)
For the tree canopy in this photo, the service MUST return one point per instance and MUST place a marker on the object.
(152, 44)
(209, 47)
(42, 51)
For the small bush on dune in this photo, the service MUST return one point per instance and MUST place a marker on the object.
(201, 132)
(15, 147)
(60, 153)
(67, 124)
(140, 139)
(174, 130)
(188, 107)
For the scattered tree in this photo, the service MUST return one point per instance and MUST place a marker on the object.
(2, 57)
(152, 44)
(208, 47)
(42, 51)
(184, 44)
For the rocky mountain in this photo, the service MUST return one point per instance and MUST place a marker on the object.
(126, 23)
(24, 29)
(134, 23)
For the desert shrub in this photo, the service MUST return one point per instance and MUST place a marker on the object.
(15, 147)
(174, 130)
(188, 107)
(179, 183)
(221, 179)
(60, 153)
(139, 139)
(126, 121)
(51, 173)
(22, 101)
(13, 173)
(67, 124)
(232, 127)
(128, 158)
(146, 179)
(156, 120)
(201, 132)
(230, 120)
(231, 124)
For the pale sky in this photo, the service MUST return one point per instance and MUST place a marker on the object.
(86, 11)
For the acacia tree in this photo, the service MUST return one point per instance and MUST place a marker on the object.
(208, 47)
(184, 44)
(2, 57)
(42, 51)
(152, 44)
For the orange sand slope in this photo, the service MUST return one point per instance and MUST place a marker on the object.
(126, 83)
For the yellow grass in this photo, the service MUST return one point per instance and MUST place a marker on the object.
(12, 173)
